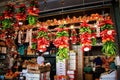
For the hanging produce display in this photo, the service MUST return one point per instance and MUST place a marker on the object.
(42, 39)
(74, 19)
(61, 42)
(9, 11)
(33, 11)
(108, 37)
(85, 36)
(7, 25)
(8, 15)
(73, 36)
(21, 13)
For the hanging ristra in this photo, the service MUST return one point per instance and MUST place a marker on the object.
(108, 37)
(42, 39)
(21, 13)
(8, 15)
(73, 36)
(33, 11)
(61, 42)
(85, 36)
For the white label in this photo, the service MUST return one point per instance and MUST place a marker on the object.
(61, 67)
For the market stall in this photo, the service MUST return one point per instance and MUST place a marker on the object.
(70, 42)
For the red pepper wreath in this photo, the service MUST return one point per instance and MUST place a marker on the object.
(9, 11)
(73, 37)
(61, 42)
(42, 39)
(108, 37)
(33, 11)
(8, 15)
(21, 13)
(85, 36)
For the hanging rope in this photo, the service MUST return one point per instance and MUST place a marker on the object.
(62, 3)
(45, 4)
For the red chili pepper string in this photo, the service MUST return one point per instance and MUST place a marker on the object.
(8, 14)
(33, 10)
(43, 29)
(58, 29)
(84, 24)
(105, 21)
(106, 36)
(62, 41)
(9, 11)
(85, 37)
(21, 16)
(73, 36)
(74, 39)
(42, 44)
(93, 35)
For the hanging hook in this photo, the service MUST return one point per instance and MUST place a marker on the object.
(45, 4)
(83, 6)
(62, 2)
(103, 12)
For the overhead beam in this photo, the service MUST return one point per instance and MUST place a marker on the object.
(62, 10)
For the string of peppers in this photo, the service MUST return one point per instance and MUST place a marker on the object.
(21, 14)
(108, 37)
(8, 15)
(85, 36)
(73, 37)
(33, 12)
(61, 42)
(42, 39)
